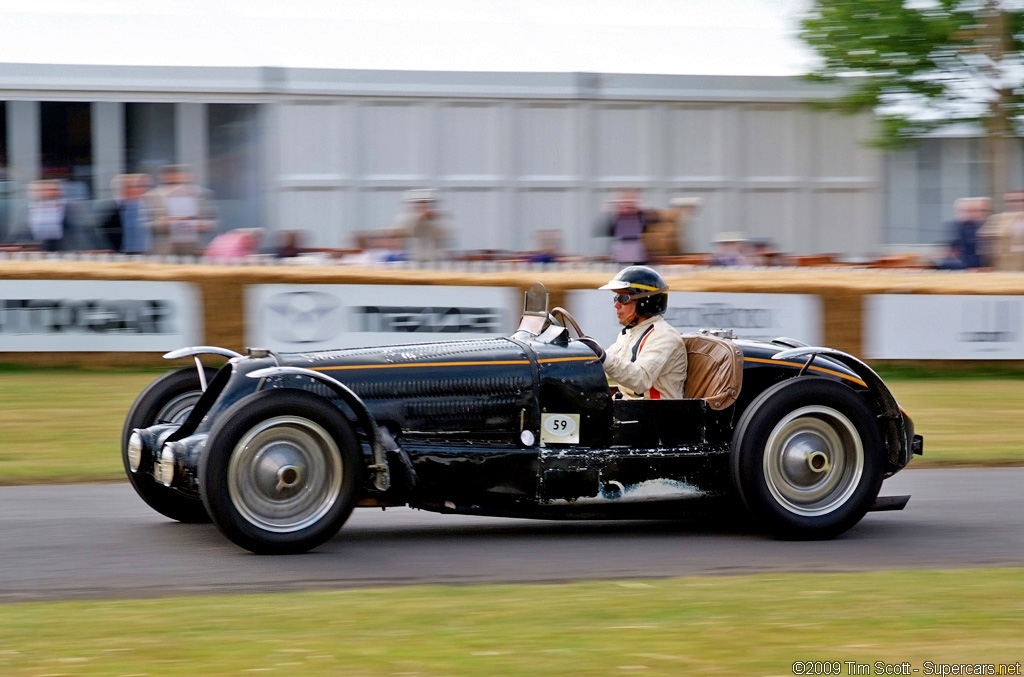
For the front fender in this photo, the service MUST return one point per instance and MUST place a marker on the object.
(381, 474)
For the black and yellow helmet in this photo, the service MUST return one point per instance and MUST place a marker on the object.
(643, 284)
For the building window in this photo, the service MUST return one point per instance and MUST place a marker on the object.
(234, 170)
(3, 140)
(6, 185)
(149, 137)
(66, 145)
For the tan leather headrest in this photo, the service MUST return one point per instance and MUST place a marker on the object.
(714, 370)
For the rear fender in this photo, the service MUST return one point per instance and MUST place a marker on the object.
(881, 399)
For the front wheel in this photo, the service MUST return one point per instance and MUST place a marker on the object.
(281, 471)
(169, 399)
(807, 458)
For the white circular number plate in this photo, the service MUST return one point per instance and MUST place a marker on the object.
(560, 428)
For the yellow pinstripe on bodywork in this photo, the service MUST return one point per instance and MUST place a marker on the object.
(798, 365)
(488, 363)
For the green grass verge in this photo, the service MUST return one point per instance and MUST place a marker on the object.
(744, 625)
(64, 425)
(964, 421)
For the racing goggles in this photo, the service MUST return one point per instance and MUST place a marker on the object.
(625, 299)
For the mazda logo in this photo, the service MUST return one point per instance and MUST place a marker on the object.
(303, 317)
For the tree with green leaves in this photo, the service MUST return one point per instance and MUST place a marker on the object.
(925, 64)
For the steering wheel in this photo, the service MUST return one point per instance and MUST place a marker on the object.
(566, 320)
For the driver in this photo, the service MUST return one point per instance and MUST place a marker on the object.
(648, 359)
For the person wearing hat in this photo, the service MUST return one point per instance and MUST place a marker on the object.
(669, 234)
(422, 224)
(731, 251)
(627, 223)
(182, 215)
(648, 359)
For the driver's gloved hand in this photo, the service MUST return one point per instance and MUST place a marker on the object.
(593, 345)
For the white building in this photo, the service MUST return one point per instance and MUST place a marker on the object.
(331, 151)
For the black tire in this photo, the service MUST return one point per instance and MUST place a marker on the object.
(807, 458)
(169, 399)
(280, 472)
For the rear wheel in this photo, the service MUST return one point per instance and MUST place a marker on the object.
(281, 472)
(169, 399)
(807, 458)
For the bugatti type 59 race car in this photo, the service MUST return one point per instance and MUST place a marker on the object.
(278, 448)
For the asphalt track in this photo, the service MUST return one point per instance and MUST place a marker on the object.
(92, 541)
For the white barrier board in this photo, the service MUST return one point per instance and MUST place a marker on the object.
(98, 316)
(943, 327)
(753, 316)
(298, 318)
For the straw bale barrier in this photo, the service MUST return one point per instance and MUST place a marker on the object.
(222, 291)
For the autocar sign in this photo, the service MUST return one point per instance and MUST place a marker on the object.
(98, 315)
(755, 316)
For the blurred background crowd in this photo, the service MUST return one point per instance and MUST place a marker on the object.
(334, 164)
(168, 214)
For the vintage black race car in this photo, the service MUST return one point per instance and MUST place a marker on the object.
(277, 449)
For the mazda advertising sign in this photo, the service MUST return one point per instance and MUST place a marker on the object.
(313, 317)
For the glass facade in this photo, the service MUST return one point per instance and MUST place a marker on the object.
(66, 145)
(6, 184)
(233, 170)
(84, 144)
(149, 133)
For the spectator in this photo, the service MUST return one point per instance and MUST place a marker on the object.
(235, 245)
(181, 213)
(80, 233)
(123, 221)
(969, 215)
(763, 252)
(950, 258)
(549, 243)
(422, 225)
(627, 223)
(375, 247)
(661, 235)
(731, 251)
(1002, 235)
(289, 244)
(669, 235)
(48, 215)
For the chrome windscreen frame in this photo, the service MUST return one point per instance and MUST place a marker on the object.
(194, 352)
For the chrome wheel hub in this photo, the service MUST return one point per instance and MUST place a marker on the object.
(813, 461)
(285, 474)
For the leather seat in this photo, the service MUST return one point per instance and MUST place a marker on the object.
(714, 371)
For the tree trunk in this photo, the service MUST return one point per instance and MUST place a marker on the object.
(997, 43)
